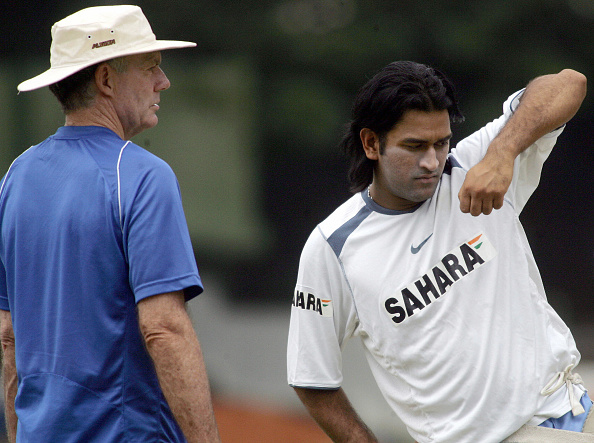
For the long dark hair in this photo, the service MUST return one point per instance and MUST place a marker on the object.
(381, 103)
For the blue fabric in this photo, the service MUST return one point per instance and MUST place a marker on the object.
(85, 235)
(569, 422)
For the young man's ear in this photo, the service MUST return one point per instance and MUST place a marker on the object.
(371, 143)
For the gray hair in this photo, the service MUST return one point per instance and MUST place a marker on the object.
(77, 91)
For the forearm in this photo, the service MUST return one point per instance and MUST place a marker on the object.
(9, 375)
(177, 356)
(183, 379)
(333, 412)
(184, 382)
(549, 102)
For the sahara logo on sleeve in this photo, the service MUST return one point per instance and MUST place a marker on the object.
(309, 302)
(455, 265)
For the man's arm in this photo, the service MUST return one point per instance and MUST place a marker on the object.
(333, 412)
(9, 373)
(548, 102)
(173, 345)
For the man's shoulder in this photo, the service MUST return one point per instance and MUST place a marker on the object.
(139, 158)
(343, 213)
(131, 148)
(339, 225)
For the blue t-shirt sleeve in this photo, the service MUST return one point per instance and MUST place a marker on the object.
(3, 289)
(156, 238)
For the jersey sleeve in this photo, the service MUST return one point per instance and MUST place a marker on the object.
(3, 284)
(322, 318)
(156, 238)
(3, 289)
(528, 164)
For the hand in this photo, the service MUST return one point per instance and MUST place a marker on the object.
(485, 185)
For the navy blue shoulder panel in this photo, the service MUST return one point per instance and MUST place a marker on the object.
(451, 162)
(339, 237)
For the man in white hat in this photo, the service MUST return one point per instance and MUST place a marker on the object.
(96, 259)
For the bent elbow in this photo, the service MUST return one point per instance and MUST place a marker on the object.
(577, 79)
(6, 330)
(165, 332)
(159, 333)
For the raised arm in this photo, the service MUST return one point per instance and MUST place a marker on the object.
(9, 373)
(333, 412)
(175, 350)
(548, 102)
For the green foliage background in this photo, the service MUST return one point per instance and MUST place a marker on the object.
(254, 115)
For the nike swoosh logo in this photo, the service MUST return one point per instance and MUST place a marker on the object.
(414, 249)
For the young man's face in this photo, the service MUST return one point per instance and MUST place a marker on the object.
(138, 92)
(414, 154)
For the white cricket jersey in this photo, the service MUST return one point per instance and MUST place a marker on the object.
(450, 307)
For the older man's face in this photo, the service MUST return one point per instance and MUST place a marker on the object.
(137, 93)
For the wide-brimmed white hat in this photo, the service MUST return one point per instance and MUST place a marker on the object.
(94, 35)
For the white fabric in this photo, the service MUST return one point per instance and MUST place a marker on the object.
(463, 362)
(566, 377)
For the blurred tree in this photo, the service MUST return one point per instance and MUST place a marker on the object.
(308, 58)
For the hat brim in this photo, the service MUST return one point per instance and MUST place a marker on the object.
(54, 75)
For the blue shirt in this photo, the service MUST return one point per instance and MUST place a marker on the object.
(90, 225)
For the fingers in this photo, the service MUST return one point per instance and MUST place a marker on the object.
(477, 205)
(484, 188)
(465, 201)
(498, 202)
(486, 208)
